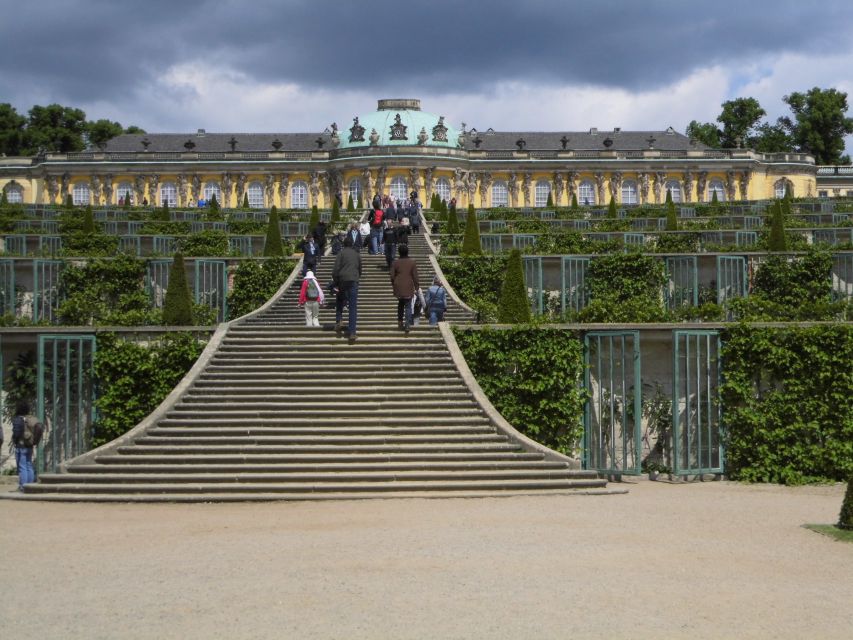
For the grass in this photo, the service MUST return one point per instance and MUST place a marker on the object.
(842, 535)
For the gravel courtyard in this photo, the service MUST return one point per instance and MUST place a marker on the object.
(705, 560)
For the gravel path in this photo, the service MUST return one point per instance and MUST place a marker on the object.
(706, 560)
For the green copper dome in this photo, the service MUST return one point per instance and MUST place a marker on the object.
(401, 123)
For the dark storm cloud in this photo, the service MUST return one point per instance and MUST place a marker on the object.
(92, 50)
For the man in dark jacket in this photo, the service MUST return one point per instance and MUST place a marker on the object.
(389, 239)
(310, 255)
(346, 274)
(404, 279)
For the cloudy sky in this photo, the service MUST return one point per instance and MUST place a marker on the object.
(298, 65)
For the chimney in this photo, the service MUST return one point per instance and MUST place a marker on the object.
(200, 133)
(593, 131)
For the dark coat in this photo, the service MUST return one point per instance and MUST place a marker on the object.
(311, 251)
(404, 277)
(347, 266)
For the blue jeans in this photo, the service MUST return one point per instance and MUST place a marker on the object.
(348, 295)
(436, 315)
(375, 237)
(24, 460)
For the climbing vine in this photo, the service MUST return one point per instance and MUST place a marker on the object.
(533, 376)
(255, 281)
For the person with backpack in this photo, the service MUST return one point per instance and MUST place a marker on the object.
(375, 218)
(404, 280)
(435, 302)
(27, 432)
(311, 297)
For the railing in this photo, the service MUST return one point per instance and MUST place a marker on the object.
(837, 170)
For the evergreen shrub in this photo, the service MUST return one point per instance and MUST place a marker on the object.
(514, 305)
(177, 306)
(272, 244)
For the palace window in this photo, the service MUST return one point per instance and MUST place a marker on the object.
(824, 194)
(355, 190)
(779, 188)
(14, 194)
(299, 195)
(629, 192)
(716, 186)
(442, 188)
(212, 189)
(674, 188)
(80, 194)
(586, 193)
(499, 194)
(398, 188)
(543, 188)
(168, 194)
(124, 193)
(256, 195)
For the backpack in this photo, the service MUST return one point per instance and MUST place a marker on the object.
(313, 291)
(32, 432)
(377, 216)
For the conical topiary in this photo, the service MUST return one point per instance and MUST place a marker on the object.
(314, 220)
(514, 307)
(272, 245)
(213, 205)
(336, 215)
(668, 196)
(350, 203)
(777, 240)
(845, 518)
(442, 211)
(359, 203)
(714, 200)
(177, 307)
(671, 218)
(88, 220)
(3, 199)
(471, 240)
(611, 208)
(550, 202)
(245, 201)
(575, 201)
(452, 221)
(69, 201)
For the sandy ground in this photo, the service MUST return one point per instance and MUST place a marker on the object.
(707, 560)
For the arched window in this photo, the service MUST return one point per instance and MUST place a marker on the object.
(14, 194)
(168, 194)
(398, 188)
(442, 188)
(212, 189)
(780, 187)
(543, 188)
(80, 194)
(299, 195)
(124, 193)
(355, 190)
(629, 192)
(256, 195)
(500, 194)
(674, 188)
(716, 186)
(586, 193)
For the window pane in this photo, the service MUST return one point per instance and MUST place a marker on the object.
(168, 194)
(629, 192)
(543, 188)
(211, 189)
(256, 195)
(299, 195)
(674, 188)
(80, 195)
(355, 190)
(442, 187)
(398, 188)
(499, 194)
(15, 194)
(586, 193)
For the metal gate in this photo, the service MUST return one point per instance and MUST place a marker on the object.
(533, 282)
(731, 278)
(573, 283)
(157, 280)
(613, 411)
(8, 299)
(66, 397)
(683, 288)
(46, 289)
(211, 286)
(697, 442)
(842, 276)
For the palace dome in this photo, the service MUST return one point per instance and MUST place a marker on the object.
(399, 122)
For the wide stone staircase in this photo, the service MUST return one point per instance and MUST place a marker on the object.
(281, 411)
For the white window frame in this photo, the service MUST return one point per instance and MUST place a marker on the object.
(399, 189)
(719, 187)
(80, 194)
(256, 195)
(124, 190)
(14, 194)
(500, 194)
(674, 188)
(355, 190)
(210, 189)
(630, 193)
(169, 194)
(442, 188)
(542, 189)
(779, 188)
(587, 193)
(299, 195)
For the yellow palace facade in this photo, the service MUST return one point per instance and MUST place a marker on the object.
(398, 149)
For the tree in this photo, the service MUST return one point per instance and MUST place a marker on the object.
(69, 201)
(350, 203)
(442, 212)
(819, 124)
(359, 205)
(134, 129)
(471, 240)
(550, 201)
(575, 201)
(54, 128)
(213, 205)
(88, 220)
(671, 218)
(452, 221)
(777, 240)
(177, 307)
(845, 518)
(245, 201)
(11, 130)
(314, 220)
(272, 245)
(705, 132)
(738, 118)
(514, 306)
(771, 138)
(668, 197)
(336, 215)
(102, 131)
(611, 208)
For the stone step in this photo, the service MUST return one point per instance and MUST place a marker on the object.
(191, 431)
(407, 448)
(309, 396)
(322, 440)
(264, 457)
(329, 418)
